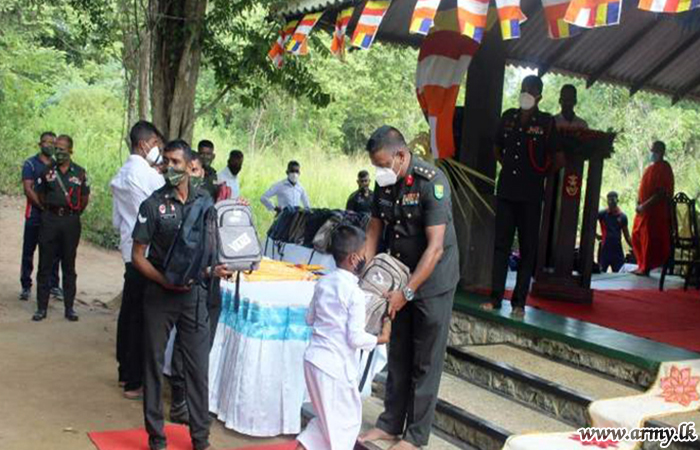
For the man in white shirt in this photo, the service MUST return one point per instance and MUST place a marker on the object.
(134, 183)
(289, 192)
(229, 176)
(567, 118)
(337, 318)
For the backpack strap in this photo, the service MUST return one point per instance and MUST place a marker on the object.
(365, 374)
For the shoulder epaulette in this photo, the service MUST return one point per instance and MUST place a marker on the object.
(425, 172)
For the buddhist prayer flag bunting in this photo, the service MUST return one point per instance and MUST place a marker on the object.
(276, 53)
(368, 25)
(443, 61)
(593, 13)
(668, 6)
(296, 44)
(472, 15)
(554, 11)
(341, 27)
(511, 16)
(423, 16)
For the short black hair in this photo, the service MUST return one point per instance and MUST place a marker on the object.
(346, 240)
(385, 137)
(659, 144)
(205, 144)
(613, 194)
(235, 154)
(66, 138)
(292, 164)
(143, 131)
(568, 87)
(45, 134)
(196, 157)
(179, 144)
(536, 81)
(362, 174)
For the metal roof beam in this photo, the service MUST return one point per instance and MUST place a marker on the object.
(667, 61)
(619, 53)
(685, 90)
(556, 56)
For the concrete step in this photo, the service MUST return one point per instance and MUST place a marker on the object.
(371, 409)
(554, 388)
(481, 418)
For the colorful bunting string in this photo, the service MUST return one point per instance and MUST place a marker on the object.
(276, 53)
(554, 11)
(511, 16)
(472, 15)
(593, 13)
(368, 25)
(423, 16)
(341, 27)
(668, 6)
(296, 44)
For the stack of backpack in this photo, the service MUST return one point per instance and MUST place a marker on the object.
(322, 239)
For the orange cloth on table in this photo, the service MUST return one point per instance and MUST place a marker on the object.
(651, 235)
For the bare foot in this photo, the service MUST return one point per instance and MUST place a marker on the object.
(488, 306)
(518, 312)
(639, 273)
(376, 434)
(403, 445)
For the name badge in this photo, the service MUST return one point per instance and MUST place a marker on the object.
(535, 130)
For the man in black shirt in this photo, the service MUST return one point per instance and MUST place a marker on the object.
(205, 149)
(526, 148)
(613, 225)
(167, 305)
(360, 201)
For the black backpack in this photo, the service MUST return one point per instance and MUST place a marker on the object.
(191, 251)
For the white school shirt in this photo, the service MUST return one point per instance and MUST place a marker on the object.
(337, 318)
(288, 194)
(230, 180)
(577, 123)
(134, 183)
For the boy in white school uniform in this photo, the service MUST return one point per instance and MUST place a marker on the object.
(337, 316)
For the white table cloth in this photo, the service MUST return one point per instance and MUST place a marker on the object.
(297, 254)
(256, 365)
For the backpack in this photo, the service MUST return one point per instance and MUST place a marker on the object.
(238, 244)
(297, 227)
(314, 221)
(187, 255)
(382, 275)
(322, 239)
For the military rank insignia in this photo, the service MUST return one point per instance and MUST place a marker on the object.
(439, 191)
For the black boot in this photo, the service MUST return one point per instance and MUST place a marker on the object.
(39, 315)
(71, 315)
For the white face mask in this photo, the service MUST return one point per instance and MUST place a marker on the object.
(385, 176)
(293, 177)
(527, 101)
(153, 156)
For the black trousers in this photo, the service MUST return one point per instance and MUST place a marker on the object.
(58, 235)
(130, 329)
(525, 218)
(188, 311)
(177, 378)
(416, 356)
(29, 244)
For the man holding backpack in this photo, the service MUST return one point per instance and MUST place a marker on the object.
(169, 301)
(412, 216)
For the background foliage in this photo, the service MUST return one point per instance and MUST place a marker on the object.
(61, 70)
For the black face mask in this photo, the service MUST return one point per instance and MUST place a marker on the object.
(48, 150)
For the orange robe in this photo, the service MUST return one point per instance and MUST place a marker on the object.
(651, 235)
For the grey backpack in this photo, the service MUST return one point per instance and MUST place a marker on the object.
(383, 274)
(239, 246)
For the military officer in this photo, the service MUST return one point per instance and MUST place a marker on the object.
(64, 191)
(165, 305)
(412, 214)
(205, 149)
(526, 148)
(360, 201)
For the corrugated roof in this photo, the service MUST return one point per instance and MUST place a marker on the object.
(656, 52)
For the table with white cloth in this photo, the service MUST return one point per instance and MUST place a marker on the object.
(256, 365)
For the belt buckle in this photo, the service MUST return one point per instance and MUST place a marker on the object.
(61, 212)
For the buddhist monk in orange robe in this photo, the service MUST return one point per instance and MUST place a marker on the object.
(651, 235)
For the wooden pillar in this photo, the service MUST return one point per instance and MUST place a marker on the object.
(482, 112)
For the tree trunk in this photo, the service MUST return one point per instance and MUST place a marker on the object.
(177, 55)
(145, 33)
(129, 61)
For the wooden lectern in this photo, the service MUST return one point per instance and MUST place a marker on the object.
(561, 274)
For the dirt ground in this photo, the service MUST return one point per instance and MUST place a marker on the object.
(57, 378)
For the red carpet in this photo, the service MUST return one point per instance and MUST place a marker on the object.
(671, 316)
(178, 439)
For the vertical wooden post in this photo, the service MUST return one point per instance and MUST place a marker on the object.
(482, 112)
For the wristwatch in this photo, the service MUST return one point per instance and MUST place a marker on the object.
(408, 294)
